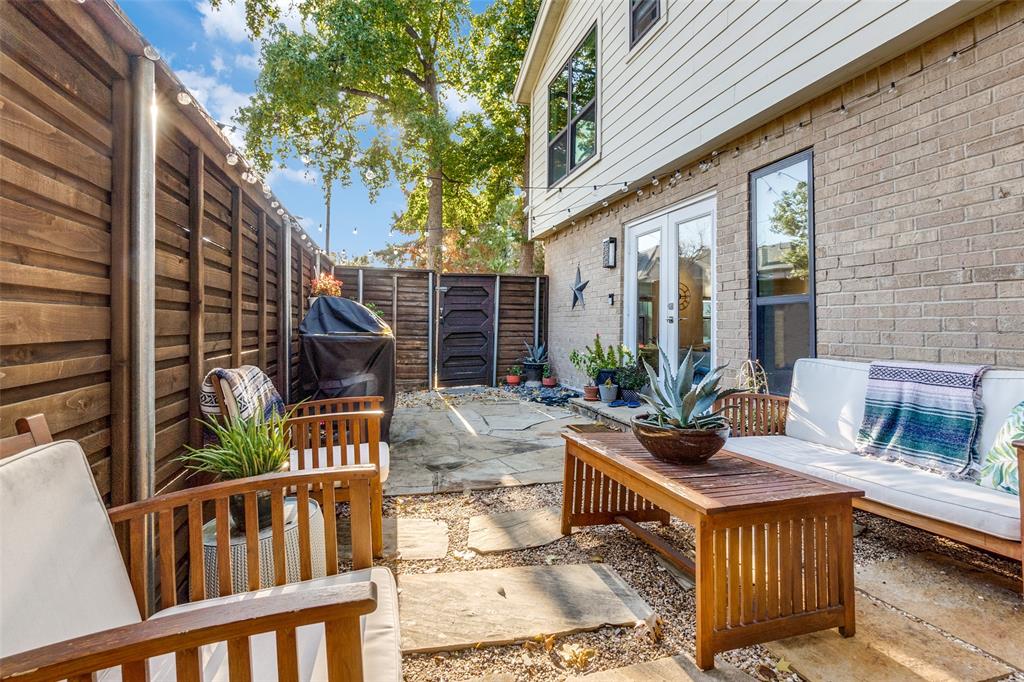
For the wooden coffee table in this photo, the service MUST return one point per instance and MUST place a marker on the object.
(774, 548)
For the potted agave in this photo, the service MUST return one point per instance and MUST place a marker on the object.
(533, 363)
(241, 448)
(684, 428)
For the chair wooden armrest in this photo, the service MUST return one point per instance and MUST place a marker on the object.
(755, 414)
(367, 402)
(359, 480)
(338, 607)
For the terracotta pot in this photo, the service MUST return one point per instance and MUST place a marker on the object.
(549, 381)
(512, 379)
(590, 393)
(678, 446)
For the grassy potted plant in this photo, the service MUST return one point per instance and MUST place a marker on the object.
(514, 375)
(599, 363)
(533, 363)
(243, 448)
(548, 380)
(683, 428)
(608, 390)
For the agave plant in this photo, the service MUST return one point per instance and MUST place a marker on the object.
(535, 355)
(679, 404)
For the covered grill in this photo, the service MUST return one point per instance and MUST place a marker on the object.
(346, 350)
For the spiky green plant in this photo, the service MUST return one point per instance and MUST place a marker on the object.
(243, 447)
(679, 404)
(535, 355)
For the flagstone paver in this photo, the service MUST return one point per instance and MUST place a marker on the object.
(888, 646)
(514, 530)
(674, 669)
(459, 610)
(404, 538)
(978, 606)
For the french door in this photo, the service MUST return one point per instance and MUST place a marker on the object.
(670, 284)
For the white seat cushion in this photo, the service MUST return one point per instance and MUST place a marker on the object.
(964, 503)
(61, 572)
(336, 458)
(382, 657)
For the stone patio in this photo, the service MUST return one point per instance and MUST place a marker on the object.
(479, 444)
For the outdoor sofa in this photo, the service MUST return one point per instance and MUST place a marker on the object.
(70, 609)
(814, 431)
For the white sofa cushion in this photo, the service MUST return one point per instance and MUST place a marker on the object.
(826, 402)
(382, 657)
(336, 459)
(963, 503)
(61, 572)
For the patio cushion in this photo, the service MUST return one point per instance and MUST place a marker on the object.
(826, 402)
(382, 658)
(999, 468)
(960, 502)
(336, 458)
(61, 572)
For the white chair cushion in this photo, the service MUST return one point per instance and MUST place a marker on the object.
(336, 458)
(1001, 391)
(382, 656)
(61, 572)
(963, 503)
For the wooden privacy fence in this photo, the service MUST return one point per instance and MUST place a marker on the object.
(498, 313)
(70, 198)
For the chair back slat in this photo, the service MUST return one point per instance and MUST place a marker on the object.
(168, 580)
(287, 656)
(277, 519)
(196, 570)
(305, 559)
(239, 660)
(330, 529)
(252, 543)
(223, 534)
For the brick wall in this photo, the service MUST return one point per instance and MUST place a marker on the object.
(919, 211)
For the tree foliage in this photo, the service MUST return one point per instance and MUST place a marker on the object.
(789, 217)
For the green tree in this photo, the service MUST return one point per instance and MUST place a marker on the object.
(380, 65)
(789, 217)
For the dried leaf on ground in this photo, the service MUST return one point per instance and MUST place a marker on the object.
(576, 656)
(651, 628)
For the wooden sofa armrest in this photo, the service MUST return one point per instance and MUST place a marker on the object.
(338, 607)
(755, 414)
(190, 502)
(1019, 444)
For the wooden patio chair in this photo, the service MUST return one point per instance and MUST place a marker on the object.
(326, 433)
(70, 609)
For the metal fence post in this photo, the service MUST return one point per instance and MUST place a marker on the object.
(430, 331)
(497, 314)
(536, 312)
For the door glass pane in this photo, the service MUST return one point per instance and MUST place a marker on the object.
(558, 103)
(782, 337)
(557, 159)
(584, 137)
(648, 300)
(584, 74)
(781, 228)
(695, 286)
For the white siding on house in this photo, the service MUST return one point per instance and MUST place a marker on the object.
(710, 70)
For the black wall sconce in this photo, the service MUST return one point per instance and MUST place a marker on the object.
(610, 252)
(611, 299)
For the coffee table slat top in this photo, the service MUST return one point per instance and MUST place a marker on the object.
(727, 482)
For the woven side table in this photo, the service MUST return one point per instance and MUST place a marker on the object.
(239, 569)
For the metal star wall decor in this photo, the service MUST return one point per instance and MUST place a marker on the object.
(577, 290)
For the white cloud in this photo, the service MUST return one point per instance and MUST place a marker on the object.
(457, 104)
(217, 97)
(298, 175)
(217, 64)
(250, 61)
(228, 20)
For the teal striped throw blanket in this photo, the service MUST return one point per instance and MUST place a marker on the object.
(924, 415)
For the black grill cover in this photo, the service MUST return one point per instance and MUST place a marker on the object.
(346, 350)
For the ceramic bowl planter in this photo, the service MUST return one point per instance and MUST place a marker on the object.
(608, 392)
(678, 446)
(590, 393)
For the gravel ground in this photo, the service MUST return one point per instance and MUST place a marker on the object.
(635, 562)
(438, 400)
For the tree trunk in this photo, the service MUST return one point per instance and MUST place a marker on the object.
(435, 214)
(525, 246)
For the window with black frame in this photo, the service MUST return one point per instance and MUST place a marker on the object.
(572, 120)
(782, 266)
(643, 14)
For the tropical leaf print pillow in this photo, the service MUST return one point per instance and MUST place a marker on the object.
(999, 470)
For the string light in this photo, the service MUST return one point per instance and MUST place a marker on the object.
(892, 88)
(231, 158)
(275, 203)
(184, 98)
(953, 57)
(655, 181)
(280, 211)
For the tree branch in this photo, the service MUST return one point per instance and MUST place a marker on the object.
(356, 92)
(411, 75)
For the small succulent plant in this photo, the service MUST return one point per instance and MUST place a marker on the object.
(680, 404)
(535, 355)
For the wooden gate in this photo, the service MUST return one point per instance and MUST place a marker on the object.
(466, 335)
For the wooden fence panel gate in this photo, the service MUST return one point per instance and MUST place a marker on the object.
(466, 336)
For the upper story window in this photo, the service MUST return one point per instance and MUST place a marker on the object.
(572, 120)
(643, 14)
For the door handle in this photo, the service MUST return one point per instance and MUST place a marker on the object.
(670, 319)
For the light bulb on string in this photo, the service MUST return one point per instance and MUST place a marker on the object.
(355, 230)
(892, 88)
(184, 99)
(428, 182)
(955, 56)
(280, 211)
(625, 187)
(231, 158)
(274, 204)
(655, 181)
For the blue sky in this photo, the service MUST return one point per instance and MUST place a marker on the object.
(212, 54)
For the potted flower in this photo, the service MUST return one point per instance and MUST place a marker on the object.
(324, 284)
(243, 448)
(586, 364)
(632, 378)
(608, 390)
(547, 379)
(599, 363)
(533, 363)
(515, 373)
(683, 428)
